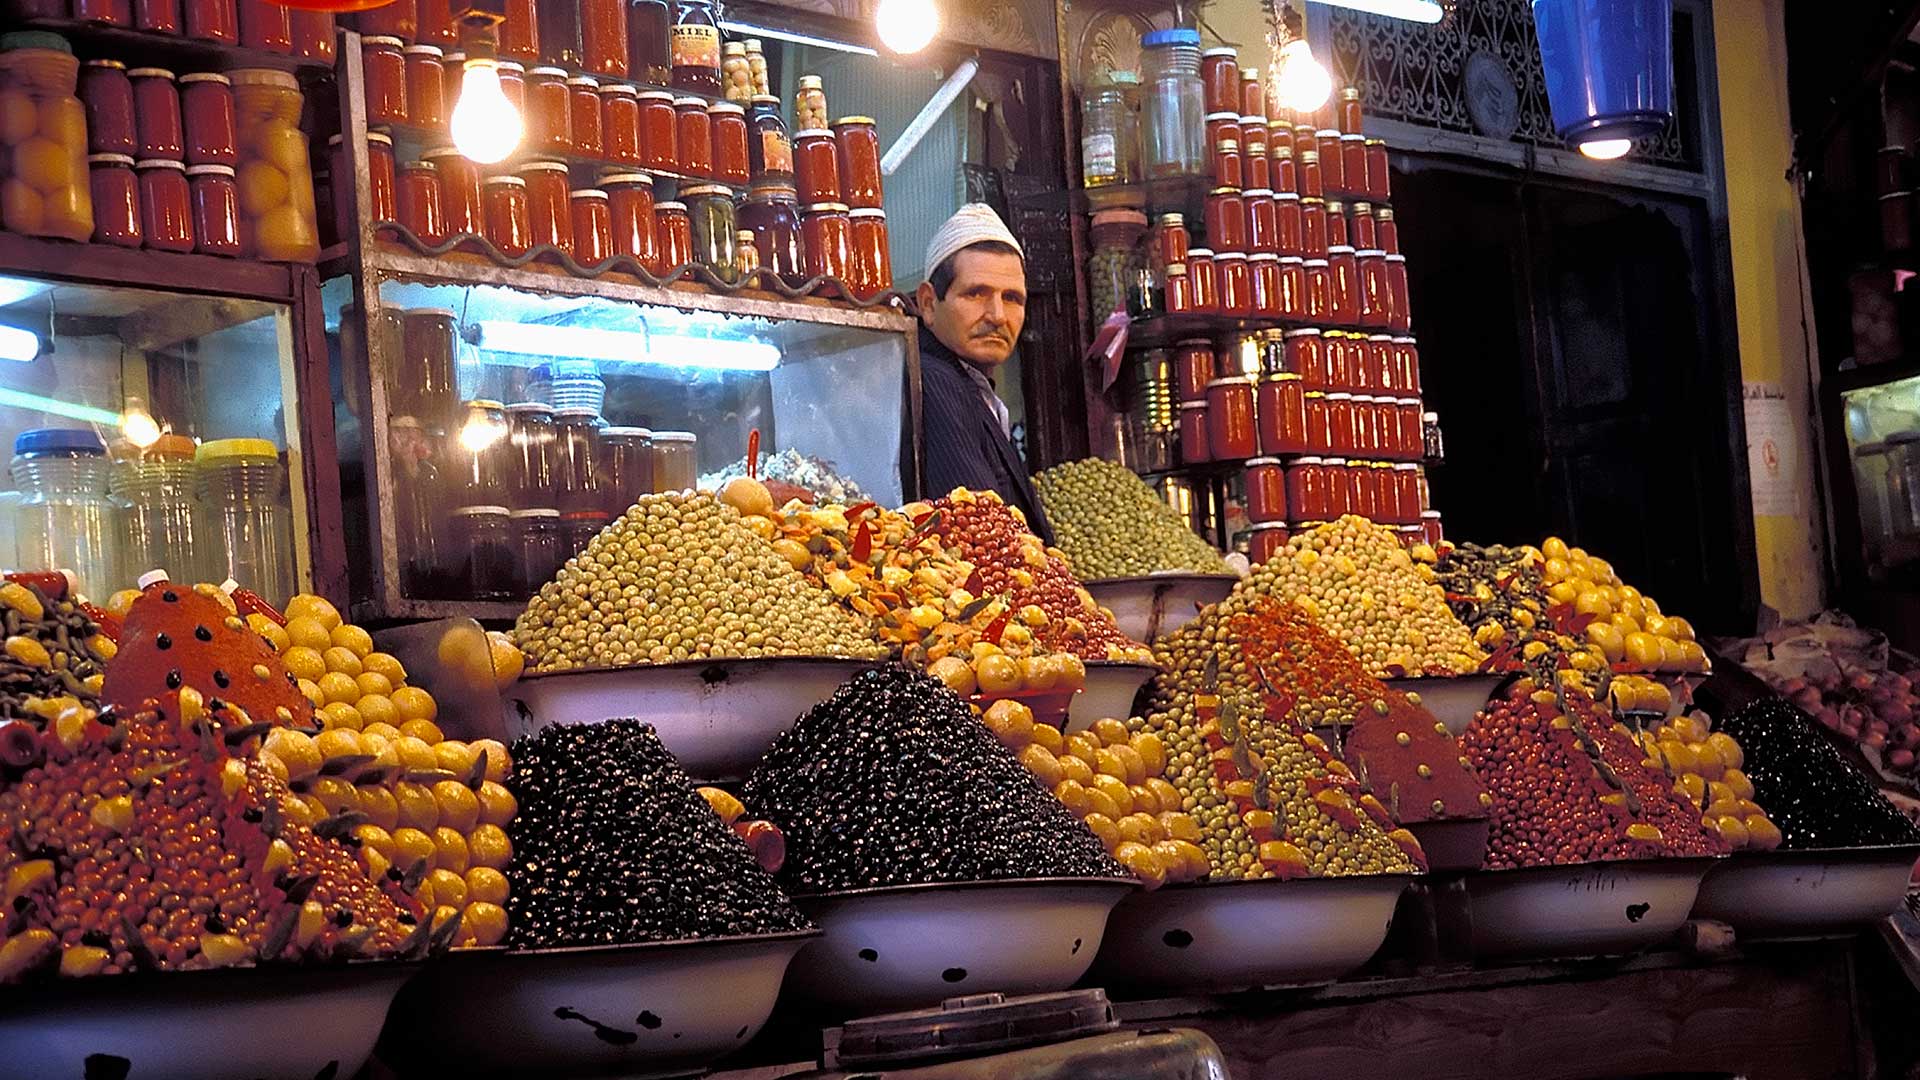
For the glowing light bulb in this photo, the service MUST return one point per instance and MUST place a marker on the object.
(1606, 149)
(906, 26)
(139, 426)
(1304, 85)
(486, 126)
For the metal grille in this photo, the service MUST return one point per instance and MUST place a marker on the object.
(1477, 72)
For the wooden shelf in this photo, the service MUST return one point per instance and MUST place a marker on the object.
(1872, 375)
(175, 51)
(106, 264)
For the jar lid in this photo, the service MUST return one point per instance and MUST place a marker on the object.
(374, 136)
(1335, 206)
(1185, 405)
(1339, 249)
(1370, 253)
(1368, 398)
(1396, 258)
(626, 433)
(1285, 376)
(766, 99)
(1119, 215)
(674, 436)
(160, 163)
(1309, 156)
(587, 81)
(1435, 417)
(744, 236)
(535, 512)
(586, 193)
(1281, 150)
(1406, 466)
(478, 511)
(530, 407)
(209, 170)
(812, 133)
(669, 205)
(428, 312)
(626, 178)
(1223, 115)
(1228, 256)
(481, 404)
(867, 120)
(1230, 380)
(1251, 462)
(152, 73)
(735, 48)
(1252, 120)
(1258, 192)
(441, 151)
(457, 57)
(825, 208)
(1362, 207)
(1268, 526)
(809, 82)
(205, 77)
(420, 166)
(543, 165)
(232, 449)
(1434, 514)
(1384, 213)
(692, 190)
(623, 88)
(1173, 219)
(1225, 146)
(1279, 122)
(511, 66)
(1199, 253)
(1178, 269)
(110, 159)
(273, 77)
(726, 107)
(382, 39)
(865, 212)
(104, 64)
(435, 50)
(1339, 462)
(543, 72)
(1223, 50)
(1311, 263)
(57, 440)
(1267, 256)
(507, 181)
(645, 95)
(1339, 395)
(1377, 142)
(1179, 35)
(1286, 196)
(695, 102)
(577, 411)
(1223, 190)
(1405, 340)
(1310, 460)
(1304, 331)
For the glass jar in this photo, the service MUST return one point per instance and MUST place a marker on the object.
(207, 122)
(417, 199)
(772, 214)
(1366, 433)
(1408, 428)
(436, 22)
(871, 268)
(1337, 223)
(1292, 298)
(1319, 291)
(1220, 76)
(1326, 149)
(603, 37)
(727, 125)
(1306, 356)
(630, 217)
(116, 200)
(157, 16)
(710, 212)
(578, 528)
(156, 112)
(212, 20)
(1288, 225)
(1313, 228)
(107, 12)
(519, 33)
(1117, 259)
(396, 20)
(1344, 271)
(809, 105)
(1195, 443)
(1353, 163)
(107, 96)
(826, 240)
(427, 85)
(857, 161)
(1388, 229)
(559, 35)
(1280, 168)
(592, 227)
(1380, 362)
(769, 150)
(621, 116)
(153, 488)
(1399, 310)
(649, 26)
(1283, 414)
(509, 217)
(1379, 170)
(1406, 362)
(745, 255)
(243, 493)
(1173, 109)
(1110, 132)
(675, 466)
(482, 552)
(266, 26)
(672, 236)
(1406, 485)
(538, 554)
(693, 135)
(462, 205)
(1226, 220)
(1341, 430)
(549, 219)
(275, 178)
(1264, 270)
(1340, 496)
(659, 137)
(624, 467)
(513, 84)
(1222, 127)
(694, 48)
(1253, 153)
(1263, 224)
(1266, 540)
(1310, 176)
(1236, 283)
(1179, 293)
(533, 450)
(1172, 238)
(1266, 484)
(479, 454)
(381, 203)
(735, 74)
(427, 340)
(1203, 281)
(1319, 421)
(166, 205)
(1192, 370)
(64, 517)
(216, 210)
(384, 65)
(1231, 431)
(1375, 302)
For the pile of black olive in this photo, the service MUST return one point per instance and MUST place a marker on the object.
(1806, 787)
(894, 781)
(612, 845)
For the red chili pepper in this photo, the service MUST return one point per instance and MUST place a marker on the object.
(753, 454)
(996, 628)
(974, 582)
(857, 509)
(863, 542)
(249, 603)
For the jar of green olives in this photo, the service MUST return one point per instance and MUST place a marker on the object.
(1118, 261)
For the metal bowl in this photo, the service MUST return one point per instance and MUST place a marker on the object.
(1589, 909)
(1111, 688)
(1806, 892)
(913, 946)
(1154, 605)
(1239, 935)
(717, 716)
(1453, 700)
(649, 1010)
(277, 1022)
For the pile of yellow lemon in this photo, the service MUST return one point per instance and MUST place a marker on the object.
(1705, 766)
(1627, 624)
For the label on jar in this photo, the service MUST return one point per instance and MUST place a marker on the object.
(695, 46)
(1099, 154)
(776, 153)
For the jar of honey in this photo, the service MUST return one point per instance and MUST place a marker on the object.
(772, 214)
(1231, 431)
(1195, 442)
(621, 125)
(583, 115)
(592, 227)
(816, 167)
(827, 241)
(509, 219)
(107, 95)
(1266, 484)
(550, 220)
(426, 85)
(672, 235)
(116, 200)
(857, 161)
(727, 125)
(659, 131)
(384, 68)
(769, 149)
(630, 217)
(693, 129)
(458, 178)
(166, 205)
(872, 265)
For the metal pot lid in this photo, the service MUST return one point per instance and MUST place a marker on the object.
(967, 1027)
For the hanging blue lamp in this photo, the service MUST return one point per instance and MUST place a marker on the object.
(1609, 70)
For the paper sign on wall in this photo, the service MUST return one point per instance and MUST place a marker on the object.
(1773, 451)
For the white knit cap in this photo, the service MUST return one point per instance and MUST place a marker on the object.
(974, 223)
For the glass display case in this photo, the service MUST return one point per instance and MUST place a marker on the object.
(150, 429)
(519, 411)
(1883, 443)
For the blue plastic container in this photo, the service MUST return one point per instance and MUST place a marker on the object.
(1609, 66)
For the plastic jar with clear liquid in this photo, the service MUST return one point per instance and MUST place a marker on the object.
(243, 496)
(1172, 103)
(154, 487)
(64, 519)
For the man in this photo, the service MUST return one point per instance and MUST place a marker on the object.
(972, 307)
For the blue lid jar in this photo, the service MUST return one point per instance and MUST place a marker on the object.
(59, 442)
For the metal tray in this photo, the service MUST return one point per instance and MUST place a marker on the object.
(1111, 688)
(1155, 605)
(1806, 892)
(1589, 909)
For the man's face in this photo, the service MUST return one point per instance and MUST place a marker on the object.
(984, 309)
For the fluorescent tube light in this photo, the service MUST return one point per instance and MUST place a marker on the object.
(627, 346)
(740, 29)
(20, 346)
(20, 399)
(1421, 11)
(14, 289)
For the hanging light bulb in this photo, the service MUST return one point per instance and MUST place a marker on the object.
(486, 127)
(138, 425)
(1303, 84)
(1606, 149)
(906, 26)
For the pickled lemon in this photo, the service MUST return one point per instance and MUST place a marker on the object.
(372, 682)
(282, 233)
(19, 117)
(342, 660)
(21, 206)
(352, 638)
(275, 634)
(486, 885)
(385, 664)
(64, 120)
(487, 845)
(335, 686)
(262, 188)
(310, 632)
(415, 703)
(304, 662)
